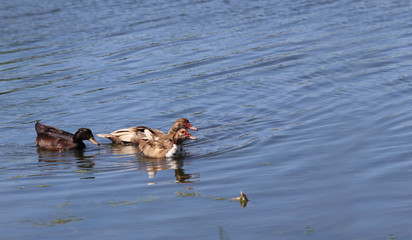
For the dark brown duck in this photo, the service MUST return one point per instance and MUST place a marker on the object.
(52, 138)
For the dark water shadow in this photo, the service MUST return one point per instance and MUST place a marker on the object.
(52, 160)
(154, 165)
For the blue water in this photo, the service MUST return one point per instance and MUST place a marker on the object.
(305, 106)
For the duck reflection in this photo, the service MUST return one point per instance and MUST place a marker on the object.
(53, 159)
(154, 165)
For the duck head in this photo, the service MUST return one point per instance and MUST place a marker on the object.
(181, 135)
(182, 123)
(84, 134)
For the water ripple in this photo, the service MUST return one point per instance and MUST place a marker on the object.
(304, 105)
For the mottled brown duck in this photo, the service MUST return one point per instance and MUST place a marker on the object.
(166, 147)
(135, 134)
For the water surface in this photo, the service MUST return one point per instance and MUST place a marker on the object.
(302, 105)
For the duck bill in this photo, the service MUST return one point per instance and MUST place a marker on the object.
(192, 137)
(93, 141)
(190, 126)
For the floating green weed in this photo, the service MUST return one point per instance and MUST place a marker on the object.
(127, 202)
(40, 175)
(309, 230)
(121, 203)
(43, 186)
(16, 177)
(64, 221)
(218, 199)
(68, 204)
(242, 199)
(149, 199)
(189, 194)
(392, 236)
(62, 215)
(55, 222)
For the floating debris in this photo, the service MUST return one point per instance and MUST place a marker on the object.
(190, 194)
(64, 221)
(392, 236)
(53, 223)
(122, 203)
(242, 199)
(16, 177)
(309, 230)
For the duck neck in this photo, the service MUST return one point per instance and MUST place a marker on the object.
(78, 140)
(171, 135)
(176, 140)
(172, 132)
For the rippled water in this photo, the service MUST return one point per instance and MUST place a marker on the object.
(303, 105)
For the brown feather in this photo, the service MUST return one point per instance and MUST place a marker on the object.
(52, 138)
(134, 134)
(162, 147)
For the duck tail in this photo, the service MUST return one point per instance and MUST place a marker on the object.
(111, 137)
(104, 135)
(38, 126)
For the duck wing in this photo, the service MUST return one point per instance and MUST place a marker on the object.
(155, 148)
(148, 133)
(133, 134)
(119, 136)
(52, 132)
(53, 138)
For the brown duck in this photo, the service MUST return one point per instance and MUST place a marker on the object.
(135, 134)
(166, 147)
(52, 138)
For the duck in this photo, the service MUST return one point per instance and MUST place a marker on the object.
(166, 147)
(133, 135)
(52, 138)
